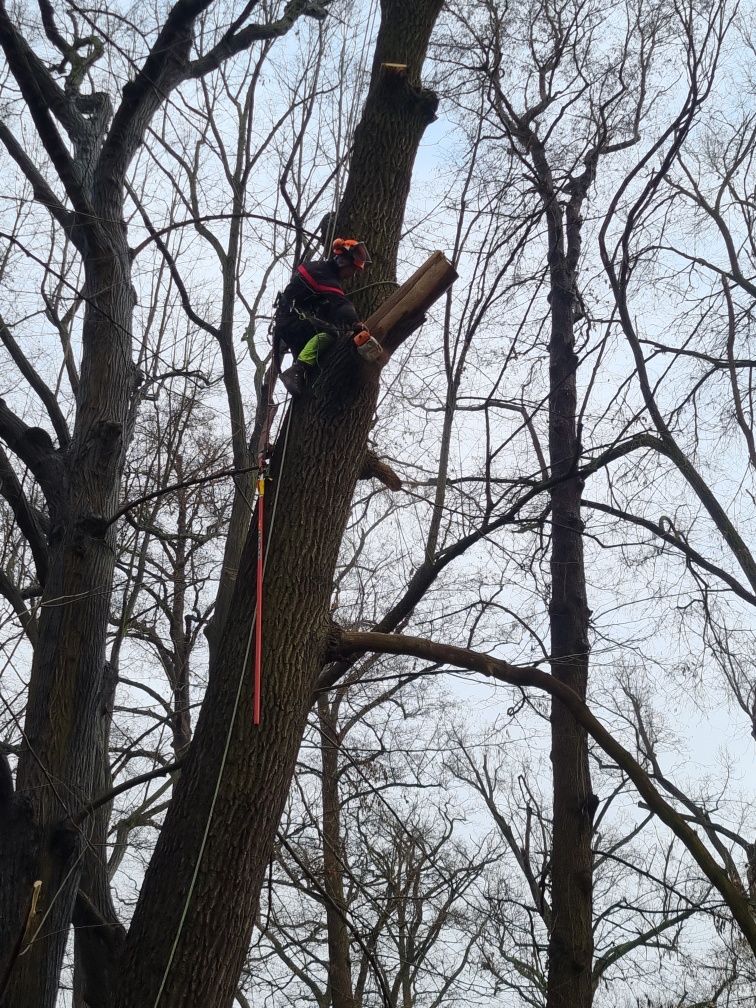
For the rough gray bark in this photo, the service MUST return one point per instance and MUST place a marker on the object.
(571, 933)
(98, 930)
(57, 762)
(397, 111)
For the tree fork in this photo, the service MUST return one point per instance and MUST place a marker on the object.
(62, 748)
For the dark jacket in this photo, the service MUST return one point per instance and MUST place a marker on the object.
(315, 291)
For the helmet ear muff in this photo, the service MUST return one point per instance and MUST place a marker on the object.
(360, 255)
(351, 251)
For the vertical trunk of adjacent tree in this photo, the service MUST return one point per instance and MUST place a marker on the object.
(339, 959)
(402, 984)
(181, 718)
(98, 930)
(192, 925)
(571, 938)
(58, 760)
(243, 457)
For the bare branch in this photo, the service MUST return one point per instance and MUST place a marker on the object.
(42, 191)
(173, 268)
(36, 383)
(144, 778)
(346, 643)
(35, 449)
(690, 554)
(198, 481)
(43, 96)
(235, 41)
(10, 592)
(25, 515)
(156, 233)
(168, 64)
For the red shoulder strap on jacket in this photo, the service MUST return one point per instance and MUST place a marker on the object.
(311, 282)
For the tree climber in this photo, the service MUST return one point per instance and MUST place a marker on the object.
(313, 310)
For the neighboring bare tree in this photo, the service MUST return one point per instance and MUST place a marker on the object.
(612, 102)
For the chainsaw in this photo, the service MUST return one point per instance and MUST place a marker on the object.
(367, 345)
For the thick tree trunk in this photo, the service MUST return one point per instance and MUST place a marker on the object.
(397, 111)
(59, 756)
(571, 939)
(339, 959)
(315, 482)
(192, 925)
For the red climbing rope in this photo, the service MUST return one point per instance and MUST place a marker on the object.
(263, 449)
(257, 687)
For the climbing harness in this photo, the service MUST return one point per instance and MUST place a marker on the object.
(314, 320)
(366, 345)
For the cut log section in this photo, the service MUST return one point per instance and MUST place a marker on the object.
(405, 310)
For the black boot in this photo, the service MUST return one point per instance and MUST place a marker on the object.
(294, 379)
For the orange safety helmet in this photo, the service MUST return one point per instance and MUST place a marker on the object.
(354, 249)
